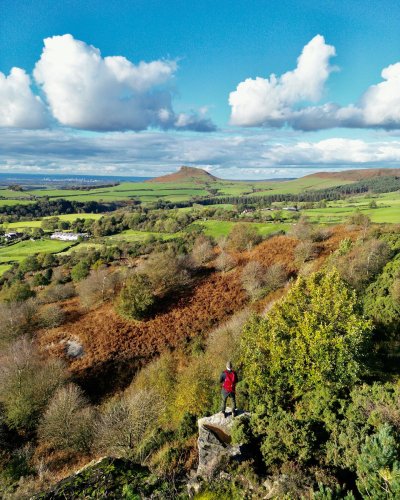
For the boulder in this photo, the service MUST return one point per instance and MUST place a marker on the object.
(214, 442)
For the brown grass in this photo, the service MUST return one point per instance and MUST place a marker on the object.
(106, 337)
(114, 348)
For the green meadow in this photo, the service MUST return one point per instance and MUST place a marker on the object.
(131, 235)
(22, 249)
(38, 222)
(219, 229)
(387, 211)
(149, 192)
(4, 268)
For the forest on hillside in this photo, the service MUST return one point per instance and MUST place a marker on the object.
(116, 351)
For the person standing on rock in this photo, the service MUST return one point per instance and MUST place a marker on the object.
(228, 381)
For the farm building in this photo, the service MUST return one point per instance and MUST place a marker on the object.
(12, 236)
(68, 236)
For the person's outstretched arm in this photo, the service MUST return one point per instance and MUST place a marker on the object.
(222, 378)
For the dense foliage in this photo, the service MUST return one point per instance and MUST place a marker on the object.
(309, 319)
(299, 362)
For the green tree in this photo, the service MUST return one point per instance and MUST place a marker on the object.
(378, 466)
(26, 383)
(243, 236)
(40, 280)
(299, 360)
(136, 297)
(37, 232)
(29, 264)
(372, 204)
(19, 291)
(67, 423)
(80, 270)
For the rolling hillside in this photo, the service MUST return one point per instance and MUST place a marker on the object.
(187, 174)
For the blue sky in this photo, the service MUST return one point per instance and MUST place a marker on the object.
(332, 113)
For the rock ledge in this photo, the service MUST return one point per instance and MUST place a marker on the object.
(214, 442)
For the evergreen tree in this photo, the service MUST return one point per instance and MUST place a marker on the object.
(299, 361)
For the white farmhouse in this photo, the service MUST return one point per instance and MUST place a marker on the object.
(68, 236)
(12, 235)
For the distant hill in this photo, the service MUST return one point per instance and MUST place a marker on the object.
(358, 175)
(187, 174)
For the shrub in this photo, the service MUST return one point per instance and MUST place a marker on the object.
(195, 389)
(136, 297)
(321, 234)
(380, 302)
(298, 360)
(302, 230)
(100, 286)
(18, 465)
(57, 292)
(369, 408)
(395, 291)
(68, 422)
(364, 262)
(275, 277)
(167, 272)
(16, 318)
(241, 431)
(378, 466)
(29, 264)
(258, 280)
(223, 343)
(359, 219)
(304, 252)
(40, 280)
(80, 270)
(252, 278)
(202, 251)
(27, 382)
(126, 422)
(225, 262)
(19, 291)
(159, 376)
(52, 316)
(243, 236)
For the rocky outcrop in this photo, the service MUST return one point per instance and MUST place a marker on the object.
(108, 477)
(214, 442)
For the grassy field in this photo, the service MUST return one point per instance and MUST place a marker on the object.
(84, 245)
(10, 202)
(4, 268)
(131, 235)
(387, 211)
(148, 192)
(218, 229)
(38, 222)
(21, 250)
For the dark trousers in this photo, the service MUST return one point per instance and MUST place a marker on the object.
(225, 395)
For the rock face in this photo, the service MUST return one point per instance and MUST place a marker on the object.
(214, 442)
(107, 477)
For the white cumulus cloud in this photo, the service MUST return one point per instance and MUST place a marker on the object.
(270, 100)
(285, 100)
(19, 107)
(381, 102)
(85, 90)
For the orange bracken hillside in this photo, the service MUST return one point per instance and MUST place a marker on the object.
(114, 348)
(357, 175)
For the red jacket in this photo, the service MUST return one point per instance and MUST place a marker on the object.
(229, 380)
